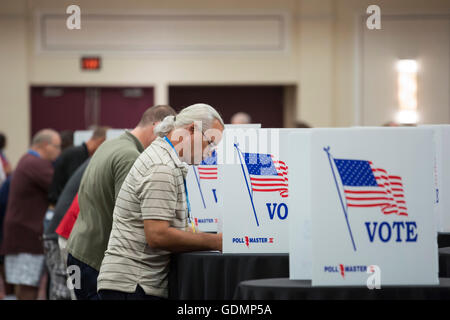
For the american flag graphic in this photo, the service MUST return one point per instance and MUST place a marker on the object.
(208, 168)
(266, 173)
(367, 186)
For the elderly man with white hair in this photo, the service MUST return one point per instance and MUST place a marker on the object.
(97, 195)
(152, 212)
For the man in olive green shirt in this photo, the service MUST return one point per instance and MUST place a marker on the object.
(99, 188)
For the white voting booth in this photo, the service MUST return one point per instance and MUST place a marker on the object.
(362, 203)
(114, 133)
(81, 136)
(442, 176)
(203, 184)
(255, 189)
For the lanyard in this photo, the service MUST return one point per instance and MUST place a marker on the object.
(34, 153)
(184, 182)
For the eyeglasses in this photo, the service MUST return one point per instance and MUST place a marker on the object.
(211, 144)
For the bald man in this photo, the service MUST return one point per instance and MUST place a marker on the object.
(27, 204)
(241, 118)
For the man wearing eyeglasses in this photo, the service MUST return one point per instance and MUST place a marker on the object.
(152, 212)
(27, 204)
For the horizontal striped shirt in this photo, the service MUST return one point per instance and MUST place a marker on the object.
(154, 189)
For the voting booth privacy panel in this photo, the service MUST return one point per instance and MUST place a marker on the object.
(441, 176)
(81, 136)
(254, 190)
(362, 206)
(114, 133)
(203, 183)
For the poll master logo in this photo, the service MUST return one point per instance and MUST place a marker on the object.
(251, 240)
(204, 221)
(343, 269)
(374, 271)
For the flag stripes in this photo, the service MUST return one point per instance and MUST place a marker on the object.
(366, 186)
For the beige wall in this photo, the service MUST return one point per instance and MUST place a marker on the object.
(14, 97)
(331, 89)
(349, 63)
(321, 56)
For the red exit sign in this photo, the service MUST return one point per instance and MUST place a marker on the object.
(90, 63)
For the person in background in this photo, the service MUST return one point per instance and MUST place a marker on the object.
(98, 191)
(6, 290)
(64, 229)
(5, 167)
(398, 124)
(66, 139)
(67, 163)
(241, 118)
(66, 225)
(55, 246)
(151, 212)
(70, 160)
(2, 174)
(27, 204)
(390, 124)
(302, 124)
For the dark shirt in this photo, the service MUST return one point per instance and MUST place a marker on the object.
(69, 161)
(97, 195)
(65, 200)
(27, 204)
(4, 192)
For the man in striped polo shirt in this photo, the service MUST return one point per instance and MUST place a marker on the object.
(98, 191)
(152, 211)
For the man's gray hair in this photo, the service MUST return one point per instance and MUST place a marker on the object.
(44, 135)
(197, 112)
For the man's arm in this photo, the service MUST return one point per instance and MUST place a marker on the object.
(158, 194)
(160, 235)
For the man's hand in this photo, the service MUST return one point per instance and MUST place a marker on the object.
(160, 235)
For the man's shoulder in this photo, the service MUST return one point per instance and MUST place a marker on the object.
(122, 143)
(157, 153)
(115, 149)
(30, 166)
(71, 153)
(116, 156)
(150, 171)
(28, 162)
(73, 150)
(154, 157)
